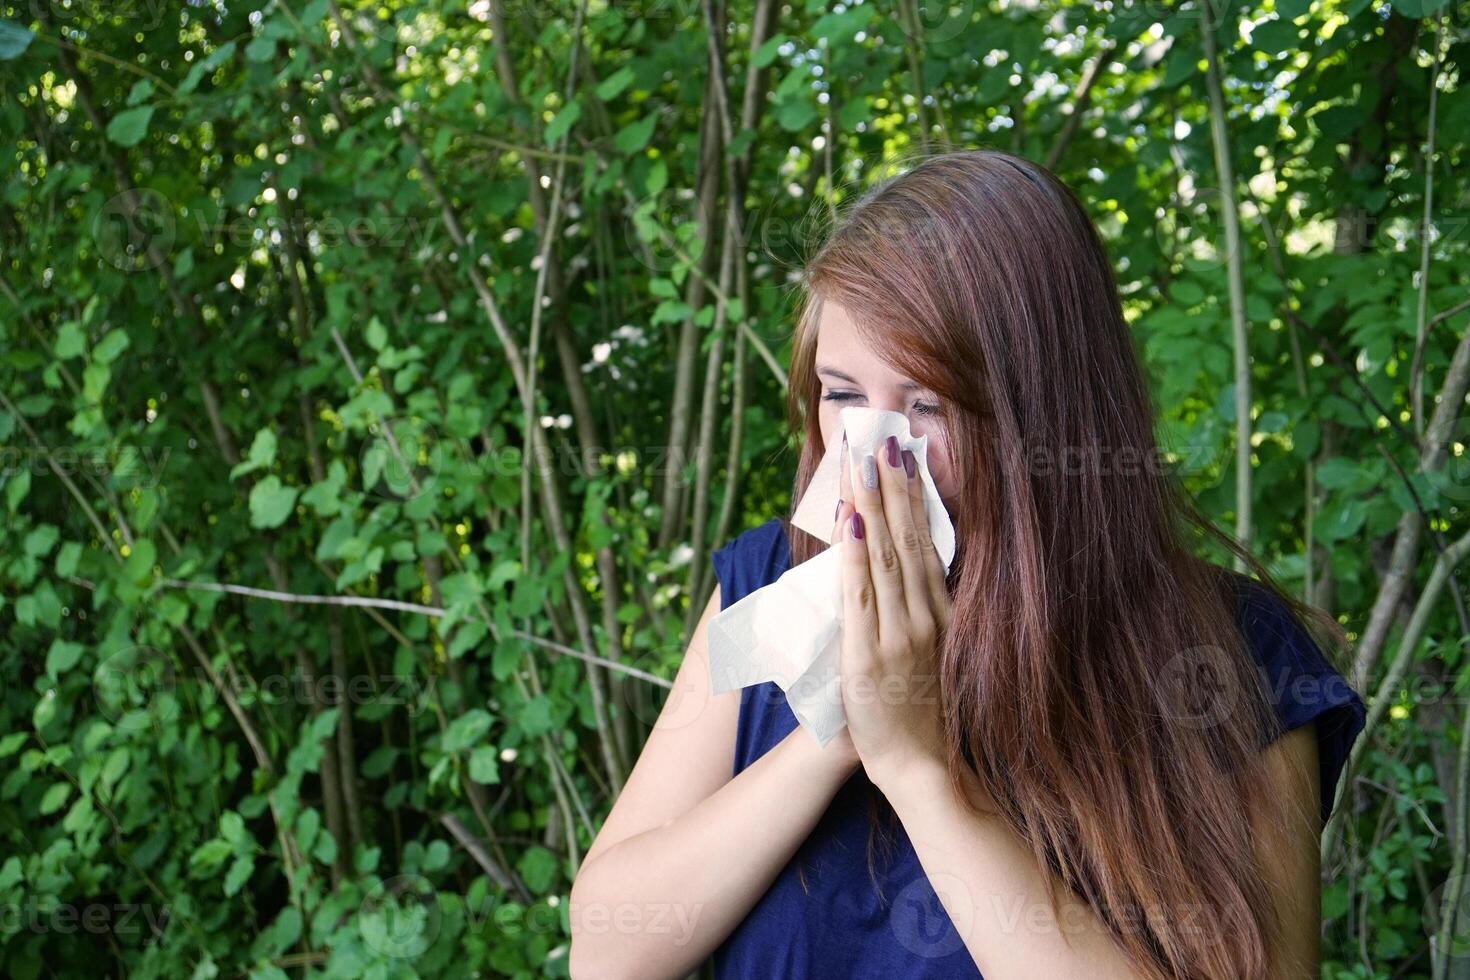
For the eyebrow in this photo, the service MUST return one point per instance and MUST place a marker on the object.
(905, 385)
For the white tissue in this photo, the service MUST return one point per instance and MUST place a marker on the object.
(790, 631)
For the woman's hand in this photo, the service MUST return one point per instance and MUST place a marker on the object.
(840, 750)
(895, 609)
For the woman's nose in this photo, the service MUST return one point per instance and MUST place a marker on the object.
(899, 405)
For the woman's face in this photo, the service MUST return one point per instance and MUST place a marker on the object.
(852, 375)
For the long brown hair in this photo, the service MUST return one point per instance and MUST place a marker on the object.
(1094, 677)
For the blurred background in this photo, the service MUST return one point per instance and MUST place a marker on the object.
(377, 377)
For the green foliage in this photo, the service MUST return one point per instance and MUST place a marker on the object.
(270, 278)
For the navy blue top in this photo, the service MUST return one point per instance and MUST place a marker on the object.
(837, 926)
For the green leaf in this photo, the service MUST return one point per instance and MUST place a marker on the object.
(466, 729)
(40, 540)
(324, 724)
(1338, 473)
(537, 868)
(376, 334)
(260, 49)
(14, 39)
(467, 638)
(54, 798)
(62, 657)
(635, 136)
(535, 716)
(232, 827)
(70, 340)
(326, 497)
(11, 873)
(615, 84)
(130, 126)
(11, 742)
(796, 114)
(210, 855)
(116, 765)
(110, 346)
(239, 874)
(262, 454)
(436, 856)
(217, 57)
(271, 503)
(282, 934)
(485, 764)
(16, 489)
(325, 849)
(1181, 64)
(562, 122)
(142, 91)
(95, 379)
(1418, 8)
(138, 568)
(766, 53)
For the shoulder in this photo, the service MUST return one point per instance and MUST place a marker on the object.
(750, 560)
(1303, 686)
(1298, 675)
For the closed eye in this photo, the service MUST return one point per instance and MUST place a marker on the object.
(920, 408)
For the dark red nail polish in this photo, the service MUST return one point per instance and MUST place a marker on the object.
(910, 464)
(857, 525)
(891, 444)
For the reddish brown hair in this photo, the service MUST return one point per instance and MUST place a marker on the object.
(1082, 620)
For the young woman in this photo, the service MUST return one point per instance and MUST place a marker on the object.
(1106, 758)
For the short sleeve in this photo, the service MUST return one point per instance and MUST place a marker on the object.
(750, 560)
(1302, 685)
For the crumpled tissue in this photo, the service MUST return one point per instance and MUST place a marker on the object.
(790, 631)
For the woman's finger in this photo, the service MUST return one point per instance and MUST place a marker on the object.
(859, 602)
(884, 569)
(934, 574)
(908, 534)
(844, 498)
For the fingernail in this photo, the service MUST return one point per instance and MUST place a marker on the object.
(870, 472)
(891, 445)
(857, 523)
(838, 510)
(910, 464)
